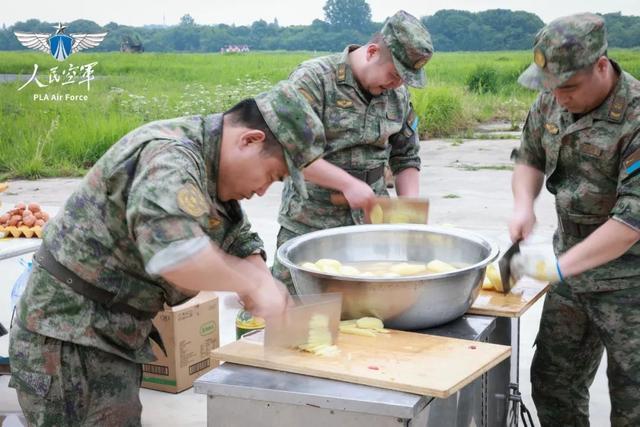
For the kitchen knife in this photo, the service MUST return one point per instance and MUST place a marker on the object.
(505, 267)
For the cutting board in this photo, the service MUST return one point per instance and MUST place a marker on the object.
(416, 363)
(513, 304)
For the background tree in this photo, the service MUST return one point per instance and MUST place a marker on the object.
(348, 14)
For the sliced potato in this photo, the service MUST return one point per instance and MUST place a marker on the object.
(376, 214)
(310, 266)
(354, 330)
(437, 266)
(407, 269)
(348, 270)
(369, 323)
(494, 277)
(325, 263)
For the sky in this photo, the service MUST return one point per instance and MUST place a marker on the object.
(288, 12)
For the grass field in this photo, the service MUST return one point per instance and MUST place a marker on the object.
(54, 138)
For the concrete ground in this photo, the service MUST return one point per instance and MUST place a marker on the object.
(468, 185)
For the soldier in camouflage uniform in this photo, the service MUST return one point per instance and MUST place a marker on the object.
(361, 97)
(583, 135)
(153, 222)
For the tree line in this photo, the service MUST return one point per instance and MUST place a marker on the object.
(345, 22)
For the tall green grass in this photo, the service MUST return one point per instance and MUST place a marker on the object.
(49, 138)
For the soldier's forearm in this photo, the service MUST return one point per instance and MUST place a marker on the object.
(324, 174)
(611, 240)
(213, 270)
(408, 183)
(526, 183)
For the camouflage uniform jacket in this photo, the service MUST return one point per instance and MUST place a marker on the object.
(156, 186)
(591, 166)
(362, 133)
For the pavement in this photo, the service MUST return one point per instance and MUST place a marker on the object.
(468, 184)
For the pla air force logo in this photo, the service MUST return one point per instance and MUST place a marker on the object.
(60, 45)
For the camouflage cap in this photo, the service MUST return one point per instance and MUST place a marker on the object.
(410, 44)
(296, 126)
(564, 47)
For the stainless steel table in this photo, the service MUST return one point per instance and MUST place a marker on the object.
(243, 395)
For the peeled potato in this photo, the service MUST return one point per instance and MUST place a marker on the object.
(354, 330)
(376, 215)
(369, 323)
(406, 269)
(399, 218)
(437, 266)
(310, 266)
(494, 277)
(325, 263)
(349, 270)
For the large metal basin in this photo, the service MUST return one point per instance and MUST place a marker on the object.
(408, 303)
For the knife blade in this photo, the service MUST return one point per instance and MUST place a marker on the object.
(505, 267)
(291, 329)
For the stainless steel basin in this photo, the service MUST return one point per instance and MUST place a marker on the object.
(409, 303)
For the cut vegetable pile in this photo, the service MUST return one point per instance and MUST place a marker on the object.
(319, 341)
(365, 326)
(492, 281)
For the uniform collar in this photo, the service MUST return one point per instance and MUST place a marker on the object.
(211, 151)
(344, 73)
(614, 106)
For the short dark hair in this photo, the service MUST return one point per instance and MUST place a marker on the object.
(385, 53)
(246, 113)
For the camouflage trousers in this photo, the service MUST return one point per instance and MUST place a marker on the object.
(575, 328)
(64, 384)
(278, 270)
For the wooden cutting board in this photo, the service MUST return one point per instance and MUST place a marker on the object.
(416, 363)
(513, 304)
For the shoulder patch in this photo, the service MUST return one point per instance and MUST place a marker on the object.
(412, 120)
(632, 163)
(192, 201)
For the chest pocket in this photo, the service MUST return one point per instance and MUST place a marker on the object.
(390, 123)
(599, 152)
(343, 123)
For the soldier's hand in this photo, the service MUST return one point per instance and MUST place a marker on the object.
(359, 195)
(536, 265)
(269, 298)
(521, 224)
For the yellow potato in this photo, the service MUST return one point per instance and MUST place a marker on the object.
(399, 217)
(325, 263)
(354, 330)
(348, 270)
(494, 277)
(406, 269)
(369, 323)
(310, 266)
(376, 215)
(437, 266)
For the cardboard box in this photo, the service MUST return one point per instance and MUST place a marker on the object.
(189, 332)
